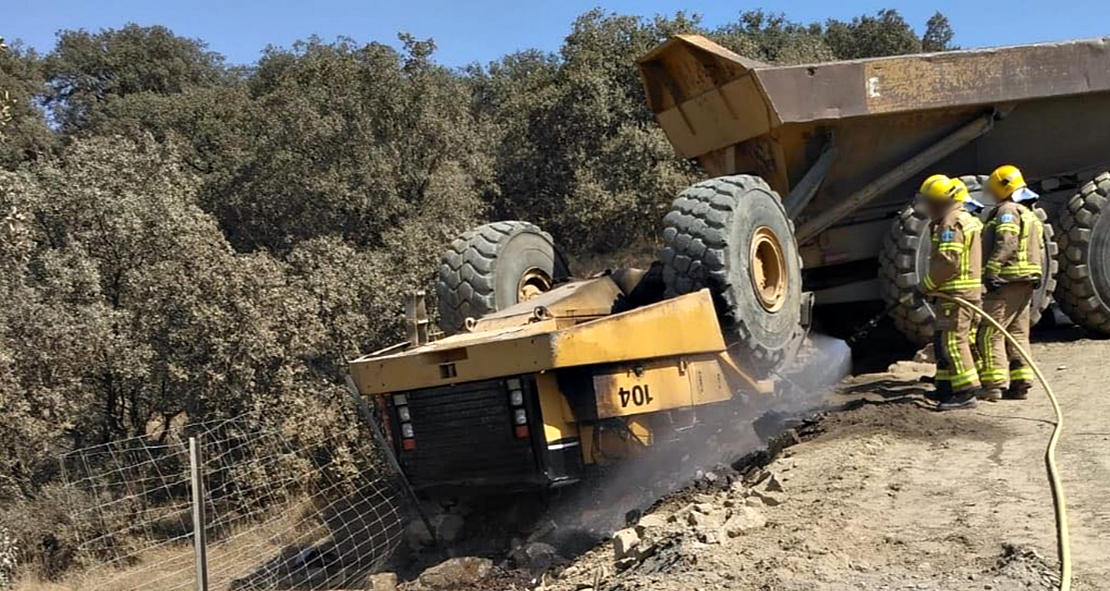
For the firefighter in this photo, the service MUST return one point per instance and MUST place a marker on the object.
(1013, 242)
(955, 268)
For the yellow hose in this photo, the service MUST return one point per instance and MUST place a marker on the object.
(1063, 538)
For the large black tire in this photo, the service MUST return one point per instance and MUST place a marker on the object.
(905, 256)
(905, 253)
(483, 270)
(710, 240)
(1083, 283)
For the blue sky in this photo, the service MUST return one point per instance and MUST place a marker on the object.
(481, 30)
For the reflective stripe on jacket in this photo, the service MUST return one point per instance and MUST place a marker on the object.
(1013, 243)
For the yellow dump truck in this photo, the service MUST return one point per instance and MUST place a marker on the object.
(587, 372)
(534, 376)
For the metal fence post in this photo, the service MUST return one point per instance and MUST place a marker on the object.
(200, 543)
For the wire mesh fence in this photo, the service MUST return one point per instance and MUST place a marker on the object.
(283, 511)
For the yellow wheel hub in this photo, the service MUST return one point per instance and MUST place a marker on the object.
(768, 269)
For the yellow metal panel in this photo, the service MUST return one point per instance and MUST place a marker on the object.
(996, 75)
(587, 435)
(642, 387)
(640, 431)
(720, 117)
(663, 384)
(894, 85)
(558, 419)
(574, 300)
(708, 382)
(472, 357)
(684, 325)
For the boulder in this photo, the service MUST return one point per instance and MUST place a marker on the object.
(625, 542)
(745, 519)
(417, 535)
(768, 498)
(455, 572)
(650, 522)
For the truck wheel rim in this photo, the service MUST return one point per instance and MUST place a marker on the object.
(533, 283)
(768, 269)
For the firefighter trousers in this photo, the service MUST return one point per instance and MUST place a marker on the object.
(956, 371)
(1002, 365)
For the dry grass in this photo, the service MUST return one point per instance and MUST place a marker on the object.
(171, 567)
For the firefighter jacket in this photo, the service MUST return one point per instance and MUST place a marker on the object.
(1013, 242)
(956, 258)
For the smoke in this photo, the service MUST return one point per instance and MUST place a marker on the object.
(823, 362)
(713, 438)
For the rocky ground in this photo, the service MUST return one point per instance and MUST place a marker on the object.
(884, 493)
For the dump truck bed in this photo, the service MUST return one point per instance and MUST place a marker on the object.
(707, 98)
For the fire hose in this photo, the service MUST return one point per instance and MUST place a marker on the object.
(1063, 537)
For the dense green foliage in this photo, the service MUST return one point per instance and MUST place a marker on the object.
(181, 236)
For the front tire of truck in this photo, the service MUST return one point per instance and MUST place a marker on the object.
(1083, 283)
(905, 257)
(493, 267)
(732, 235)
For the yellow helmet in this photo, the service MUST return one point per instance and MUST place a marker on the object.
(942, 188)
(961, 193)
(1004, 181)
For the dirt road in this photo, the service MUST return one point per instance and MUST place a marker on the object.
(891, 495)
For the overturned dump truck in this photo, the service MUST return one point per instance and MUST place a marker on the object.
(526, 397)
(534, 376)
(846, 144)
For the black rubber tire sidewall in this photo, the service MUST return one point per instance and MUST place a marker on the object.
(1083, 280)
(480, 273)
(707, 244)
(524, 252)
(760, 208)
(905, 253)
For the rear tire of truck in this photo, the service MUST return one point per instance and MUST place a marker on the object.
(732, 235)
(1083, 283)
(903, 261)
(493, 267)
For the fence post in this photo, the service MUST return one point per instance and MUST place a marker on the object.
(200, 544)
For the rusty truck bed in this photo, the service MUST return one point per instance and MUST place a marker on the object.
(707, 97)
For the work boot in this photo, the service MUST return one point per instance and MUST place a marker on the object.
(1018, 390)
(990, 394)
(959, 400)
(942, 390)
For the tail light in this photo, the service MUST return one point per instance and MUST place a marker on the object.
(404, 417)
(516, 404)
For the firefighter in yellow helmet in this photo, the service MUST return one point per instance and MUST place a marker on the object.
(955, 268)
(1013, 243)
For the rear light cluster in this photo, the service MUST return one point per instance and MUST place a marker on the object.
(404, 416)
(516, 404)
